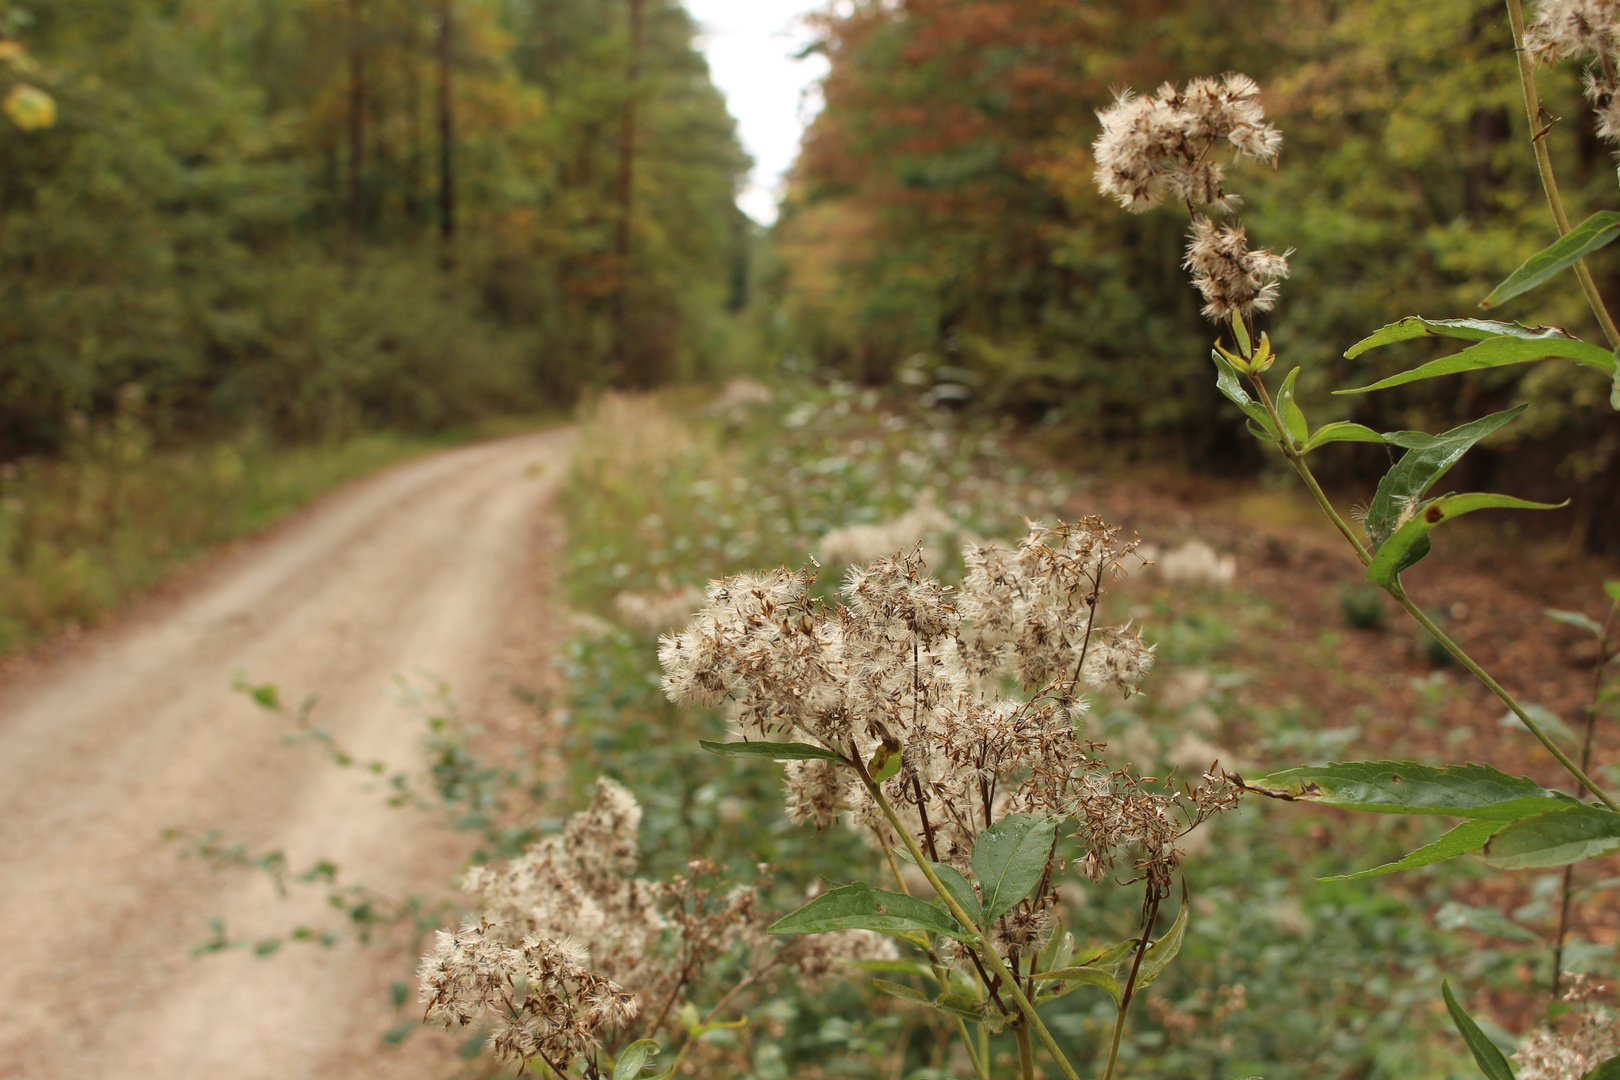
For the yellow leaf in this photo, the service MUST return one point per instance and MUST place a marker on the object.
(29, 107)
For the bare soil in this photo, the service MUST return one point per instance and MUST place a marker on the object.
(437, 569)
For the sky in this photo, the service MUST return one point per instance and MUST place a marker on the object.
(749, 44)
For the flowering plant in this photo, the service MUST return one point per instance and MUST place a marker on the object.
(1162, 147)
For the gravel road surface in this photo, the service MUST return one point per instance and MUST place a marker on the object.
(410, 573)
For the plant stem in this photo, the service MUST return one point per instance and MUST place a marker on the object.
(1150, 914)
(1285, 443)
(1549, 182)
(984, 950)
(980, 1070)
(1026, 1052)
(1586, 763)
(1399, 593)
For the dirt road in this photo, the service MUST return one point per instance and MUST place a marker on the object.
(407, 573)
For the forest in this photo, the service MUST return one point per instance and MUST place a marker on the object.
(473, 600)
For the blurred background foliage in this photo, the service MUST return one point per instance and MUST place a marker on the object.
(320, 217)
(942, 227)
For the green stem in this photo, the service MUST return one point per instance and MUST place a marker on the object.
(1549, 182)
(1026, 1052)
(980, 1070)
(1399, 593)
(985, 951)
(1285, 443)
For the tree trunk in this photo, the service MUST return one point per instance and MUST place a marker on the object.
(357, 117)
(626, 186)
(447, 136)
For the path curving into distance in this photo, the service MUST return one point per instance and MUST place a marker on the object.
(405, 573)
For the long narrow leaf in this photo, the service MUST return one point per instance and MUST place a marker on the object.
(1160, 953)
(1593, 233)
(1468, 837)
(861, 907)
(1558, 838)
(1428, 458)
(1405, 787)
(1229, 384)
(1499, 352)
(1486, 1055)
(771, 751)
(1402, 550)
(1415, 326)
(1342, 431)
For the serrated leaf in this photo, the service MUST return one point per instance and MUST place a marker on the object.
(1557, 838)
(1342, 431)
(635, 1058)
(861, 907)
(1577, 619)
(1411, 541)
(1590, 235)
(1468, 837)
(904, 993)
(1086, 976)
(1160, 953)
(771, 751)
(961, 891)
(1415, 326)
(1229, 384)
(1009, 858)
(1405, 787)
(1486, 1055)
(1499, 352)
(1427, 459)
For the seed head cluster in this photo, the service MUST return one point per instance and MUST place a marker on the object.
(978, 688)
(1583, 30)
(1163, 146)
(1588, 1036)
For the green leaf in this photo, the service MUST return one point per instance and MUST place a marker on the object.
(1160, 953)
(1342, 431)
(1405, 787)
(1411, 541)
(861, 907)
(904, 993)
(1229, 384)
(961, 1005)
(1415, 326)
(1086, 976)
(1468, 837)
(1555, 839)
(903, 967)
(1486, 920)
(961, 891)
(1499, 352)
(773, 751)
(1591, 234)
(1486, 1055)
(1111, 957)
(1058, 950)
(1009, 858)
(634, 1059)
(1613, 589)
(1575, 618)
(885, 763)
(1605, 1070)
(1241, 333)
(1288, 408)
(1427, 459)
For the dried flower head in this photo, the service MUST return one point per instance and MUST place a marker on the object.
(1151, 147)
(1231, 278)
(1588, 1036)
(1574, 30)
(908, 663)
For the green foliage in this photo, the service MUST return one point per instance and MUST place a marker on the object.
(1595, 232)
(1009, 859)
(1486, 1055)
(858, 906)
(1406, 787)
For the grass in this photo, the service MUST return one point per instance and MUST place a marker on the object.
(83, 534)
